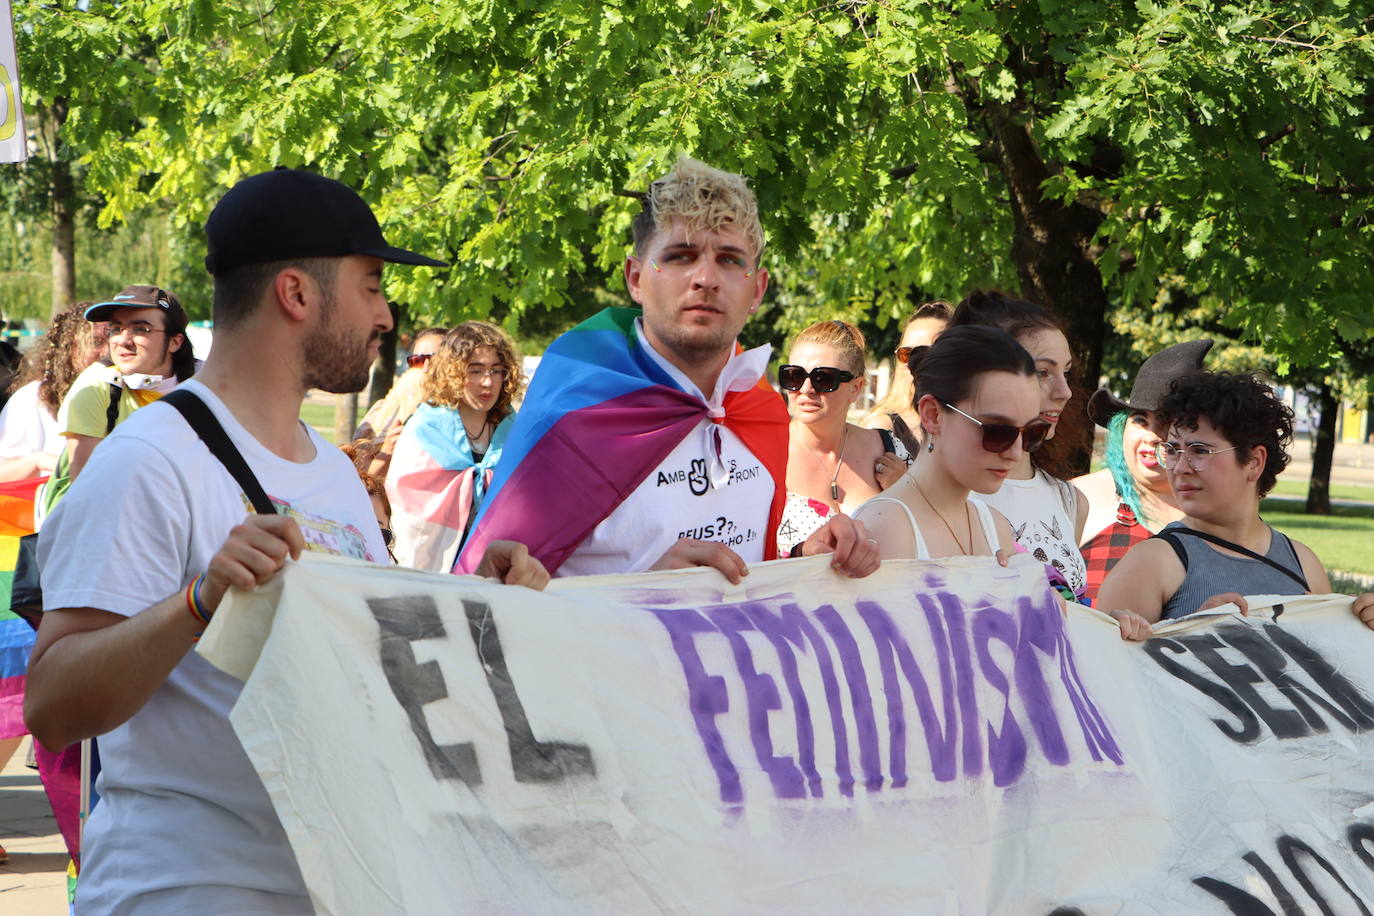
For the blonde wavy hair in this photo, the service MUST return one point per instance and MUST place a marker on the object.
(446, 376)
(847, 340)
(704, 199)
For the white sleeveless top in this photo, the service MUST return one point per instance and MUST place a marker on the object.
(1042, 512)
(922, 552)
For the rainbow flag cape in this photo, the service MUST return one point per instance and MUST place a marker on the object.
(16, 636)
(599, 416)
(434, 485)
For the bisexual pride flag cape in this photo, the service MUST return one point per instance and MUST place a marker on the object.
(599, 416)
(16, 636)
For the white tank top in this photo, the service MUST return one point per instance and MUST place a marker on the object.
(922, 552)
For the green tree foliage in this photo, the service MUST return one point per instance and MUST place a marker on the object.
(1078, 151)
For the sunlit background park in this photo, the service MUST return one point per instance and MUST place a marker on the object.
(1153, 173)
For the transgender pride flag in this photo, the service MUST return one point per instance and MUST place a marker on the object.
(16, 636)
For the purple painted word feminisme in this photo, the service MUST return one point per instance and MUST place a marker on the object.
(939, 695)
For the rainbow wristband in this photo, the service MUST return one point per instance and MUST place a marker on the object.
(195, 604)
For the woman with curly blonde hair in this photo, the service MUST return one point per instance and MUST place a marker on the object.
(449, 447)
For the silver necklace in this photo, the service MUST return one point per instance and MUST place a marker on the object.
(839, 460)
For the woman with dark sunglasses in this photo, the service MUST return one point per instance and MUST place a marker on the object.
(1047, 513)
(894, 411)
(978, 403)
(832, 465)
(1227, 443)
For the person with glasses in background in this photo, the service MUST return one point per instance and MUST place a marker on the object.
(149, 355)
(1227, 443)
(380, 429)
(448, 449)
(978, 404)
(894, 412)
(832, 465)
(1130, 499)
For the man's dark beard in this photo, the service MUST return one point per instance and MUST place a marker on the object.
(335, 362)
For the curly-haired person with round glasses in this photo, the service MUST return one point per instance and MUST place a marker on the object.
(1227, 443)
(448, 449)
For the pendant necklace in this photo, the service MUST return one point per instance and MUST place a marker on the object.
(839, 459)
(967, 551)
(481, 429)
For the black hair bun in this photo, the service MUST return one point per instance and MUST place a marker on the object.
(918, 355)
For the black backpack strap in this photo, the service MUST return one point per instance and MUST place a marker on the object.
(202, 420)
(1169, 538)
(112, 411)
(1297, 577)
(888, 444)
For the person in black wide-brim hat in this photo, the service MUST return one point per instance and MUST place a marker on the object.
(1130, 498)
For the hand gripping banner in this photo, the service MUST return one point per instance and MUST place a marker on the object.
(938, 738)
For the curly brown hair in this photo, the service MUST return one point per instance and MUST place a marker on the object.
(1240, 406)
(59, 356)
(446, 376)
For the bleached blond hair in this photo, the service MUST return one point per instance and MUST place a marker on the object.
(704, 199)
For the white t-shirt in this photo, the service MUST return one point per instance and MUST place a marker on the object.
(1042, 522)
(181, 806)
(710, 487)
(27, 427)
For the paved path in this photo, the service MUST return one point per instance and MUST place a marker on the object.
(34, 883)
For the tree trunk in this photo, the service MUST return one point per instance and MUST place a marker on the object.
(1323, 450)
(384, 369)
(1050, 247)
(345, 417)
(63, 212)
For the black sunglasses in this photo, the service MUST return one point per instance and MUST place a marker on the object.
(998, 437)
(416, 360)
(824, 379)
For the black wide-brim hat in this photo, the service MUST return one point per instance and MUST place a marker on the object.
(291, 213)
(1151, 381)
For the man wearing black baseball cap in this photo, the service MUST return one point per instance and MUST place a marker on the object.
(184, 824)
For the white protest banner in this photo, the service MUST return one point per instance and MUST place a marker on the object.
(13, 140)
(937, 738)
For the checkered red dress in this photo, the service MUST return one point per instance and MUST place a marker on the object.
(1104, 549)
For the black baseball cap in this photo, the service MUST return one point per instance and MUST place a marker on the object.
(291, 213)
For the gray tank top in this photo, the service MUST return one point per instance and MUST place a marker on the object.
(1211, 572)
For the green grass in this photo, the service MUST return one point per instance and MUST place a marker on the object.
(321, 417)
(1298, 487)
(1343, 540)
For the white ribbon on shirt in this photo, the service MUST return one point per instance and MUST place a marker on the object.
(741, 373)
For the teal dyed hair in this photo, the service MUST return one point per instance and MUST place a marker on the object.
(1116, 463)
